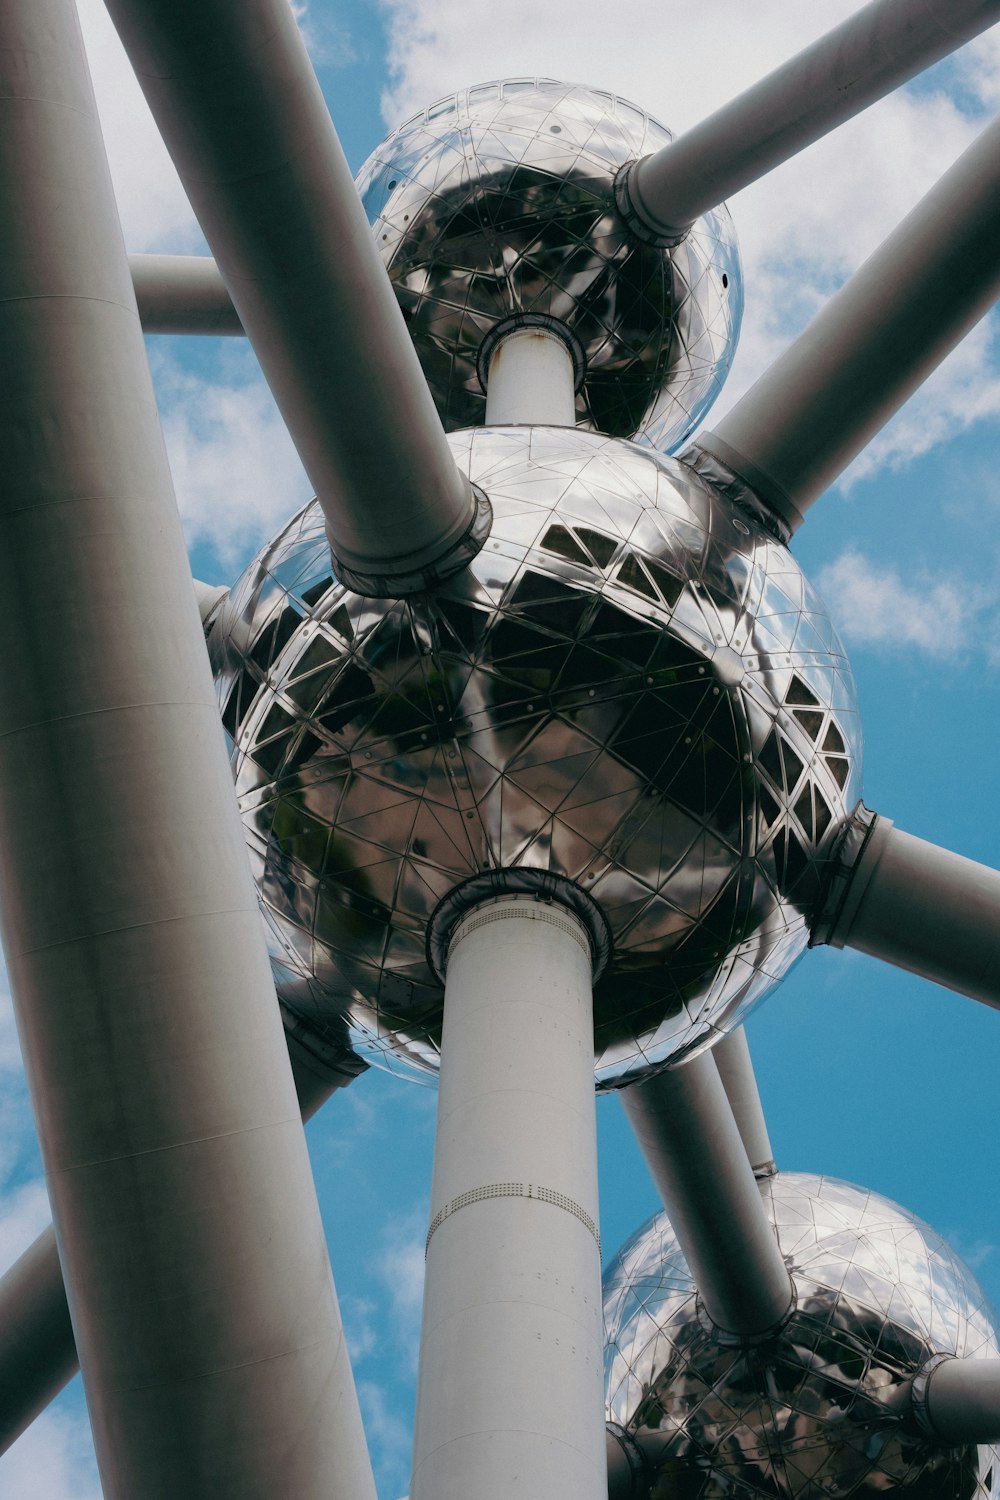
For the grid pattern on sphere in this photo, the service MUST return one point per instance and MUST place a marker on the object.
(632, 686)
(498, 202)
(817, 1409)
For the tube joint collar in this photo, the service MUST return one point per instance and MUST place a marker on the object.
(543, 885)
(851, 865)
(400, 578)
(635, 214)
(746, 486)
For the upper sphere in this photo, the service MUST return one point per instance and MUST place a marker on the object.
(632, 688)
(497, 204)
(818, 1410)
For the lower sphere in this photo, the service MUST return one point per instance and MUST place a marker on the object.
(820, 1409)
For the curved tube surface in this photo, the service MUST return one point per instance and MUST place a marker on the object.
(237, 102)
(838, 76)
(685, 1128)
(874, 342)
(182, 294)
(924, 909)
(189, 1233)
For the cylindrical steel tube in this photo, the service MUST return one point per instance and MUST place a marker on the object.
(189, 1233)
(732, 1058)
(37, 1348)
(830, 81)
(924, 909)
(692, 1147)
(233, 92)
(873, 343)
(531, 380)
(510, 1391)
(182, 294)
(958, 1400)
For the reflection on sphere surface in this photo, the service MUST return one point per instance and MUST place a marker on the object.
(632, 687)
(498, 202)
(814, 1411)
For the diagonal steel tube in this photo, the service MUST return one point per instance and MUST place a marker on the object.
(37, 1349)
(732, 1058)
(182, 294)
(873, 343)
(958, 1400)
(830, 81)
(239, 107)
(189, 1233)
(691, 1144)
(915, 905)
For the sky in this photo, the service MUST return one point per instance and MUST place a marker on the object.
(866, 1073)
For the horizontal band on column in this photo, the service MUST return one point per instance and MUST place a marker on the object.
(513, 1190)
(526, 910)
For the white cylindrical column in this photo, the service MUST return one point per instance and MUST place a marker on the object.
(531, 379)
(186, 1220)
(510, 1394)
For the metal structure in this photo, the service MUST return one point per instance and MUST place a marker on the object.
(547, 761)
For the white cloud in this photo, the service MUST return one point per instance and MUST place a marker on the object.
(359, 1316)
(389, 1436)
(962, 391)
(154, 209)
(876, 607)
(24, 1213)
(399, 1266)
(22, 1196)
(678, 60)
(806, 226)
(236, 473)
(52, 1460)
(10, 1047)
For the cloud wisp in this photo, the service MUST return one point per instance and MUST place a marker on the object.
(877, 608)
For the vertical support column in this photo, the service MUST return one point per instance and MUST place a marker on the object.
(186, 1220)
(531, 379)
(510, 1394)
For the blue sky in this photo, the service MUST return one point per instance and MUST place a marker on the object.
(866, 1073)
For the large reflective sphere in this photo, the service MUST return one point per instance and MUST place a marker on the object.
(632, 688)
(498, 203)
(816, 1411)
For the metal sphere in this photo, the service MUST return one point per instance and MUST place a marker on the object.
(497, 206)
(818, 1410)
(632, 689)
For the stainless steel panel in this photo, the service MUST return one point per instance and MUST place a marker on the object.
(821, 1409)
(633, 687)
(497, 204)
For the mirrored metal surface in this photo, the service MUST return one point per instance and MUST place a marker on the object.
(498, 203)
(820, 1408)
(633, 687)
